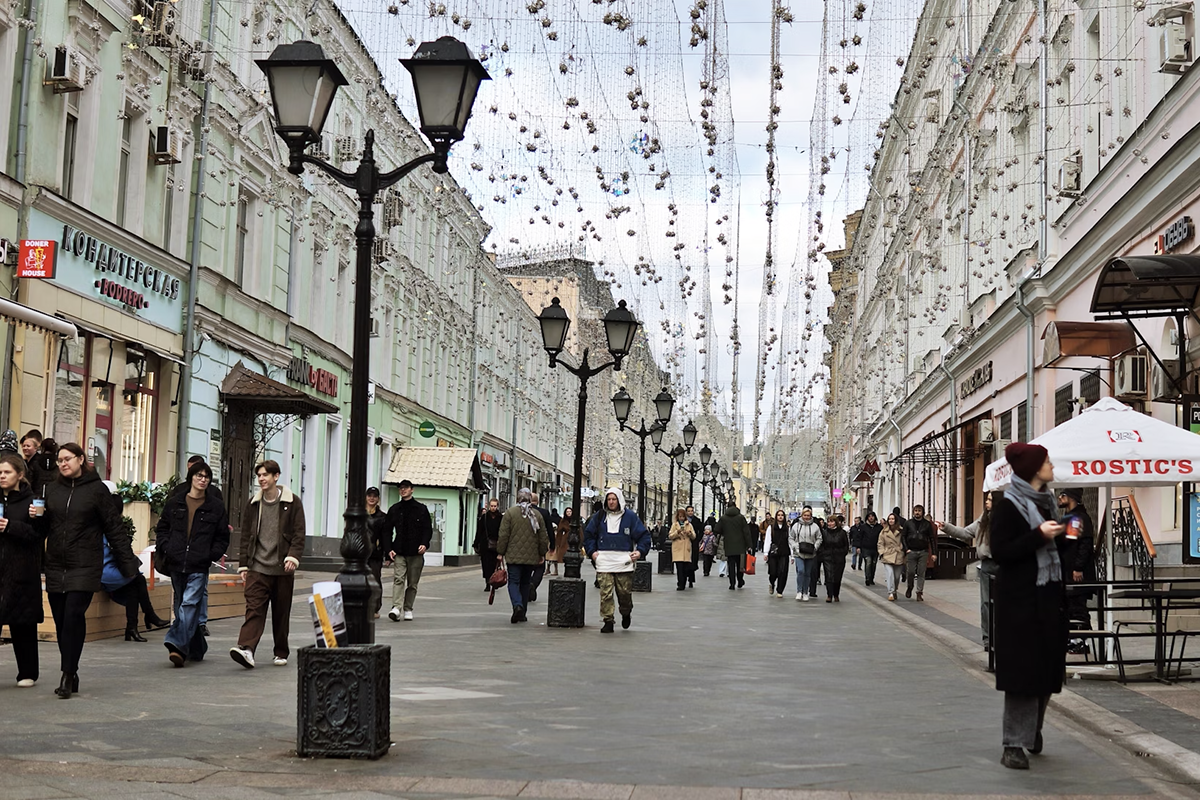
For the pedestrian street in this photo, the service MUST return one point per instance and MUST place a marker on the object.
(709, 688)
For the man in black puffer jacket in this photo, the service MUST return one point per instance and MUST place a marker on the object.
(919, 539)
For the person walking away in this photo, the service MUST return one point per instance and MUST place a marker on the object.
(132, 593)
(856, 544)
(272, 544)
(487, 535)
(731, 529)
(22, 538)
(548, 532)
(752, 536)
(192, 532)
(804, 539)
(778, 554)
(977, 533)
(681, 537)
(80, 518)
(708, 548)
(562, 535)
(1076, 550)
(410, 531)
(613, 541)
(698, 527)
(835, 546)
(1031, 617)
(891, 554)
(522, 543)
(919, 539)
(376, 525)
(869, 548)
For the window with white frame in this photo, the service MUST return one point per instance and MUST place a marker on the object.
(123, 165)
(247, 210)
(70, 145)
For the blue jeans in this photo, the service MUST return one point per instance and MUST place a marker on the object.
(203, 618)
(520, 576)
(805, 567)
(188, 589)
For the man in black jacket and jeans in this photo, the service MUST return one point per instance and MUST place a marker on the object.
(869, 547)
(918, 538)
(410, 530)
(487, 535)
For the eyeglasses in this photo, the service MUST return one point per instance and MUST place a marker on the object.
(67, 460)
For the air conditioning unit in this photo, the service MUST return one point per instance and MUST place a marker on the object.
(167, 145)
(383, 250)
(344, 149)
(1070, 174)
(199, 62)
(1162, 383)
(933, 112)
(998, 448)
(65, 72)
(317, 150)
(374, 327)
(162, 24)
(986, 431)
(1129, 377)
(1174, 48)
(9, 251)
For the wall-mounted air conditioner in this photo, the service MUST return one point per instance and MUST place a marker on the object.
(1129, 377)
(1070, 176)
(1175, 46)
(167, 146)
(64, 71)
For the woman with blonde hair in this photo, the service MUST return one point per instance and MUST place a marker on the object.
(681, 537)
(891, 553)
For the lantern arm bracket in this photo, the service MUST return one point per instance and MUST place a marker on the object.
(585, 371)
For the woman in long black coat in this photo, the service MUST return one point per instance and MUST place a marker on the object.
(80, 516)
(1030, 602)
(21, 540)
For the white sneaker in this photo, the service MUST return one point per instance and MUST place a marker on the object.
(242, 656)
(801, 596)
(25, 683)
(408, 616)
(394, 614)
(280, 661)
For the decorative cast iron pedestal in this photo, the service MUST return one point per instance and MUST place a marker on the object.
(344, 701)
(643, 575)
(565, 608)
(666, 564)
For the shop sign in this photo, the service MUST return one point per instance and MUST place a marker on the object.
(132, 275)
(487, 458)
(427, 429)
(37, 258)
(1177, 233)
(978, 379)
(323, 381)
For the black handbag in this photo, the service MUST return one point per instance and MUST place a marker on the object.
(806, 549)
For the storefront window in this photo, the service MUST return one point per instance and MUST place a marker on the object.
(139, 403)
(69, 381)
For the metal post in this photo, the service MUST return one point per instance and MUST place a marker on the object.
(642, 477)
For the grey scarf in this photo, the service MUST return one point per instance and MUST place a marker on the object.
(1037, 507)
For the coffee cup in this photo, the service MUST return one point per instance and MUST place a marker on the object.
(38, 508)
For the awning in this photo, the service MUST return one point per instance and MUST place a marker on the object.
(266, 396)
(942, 448)
(446, 467)
(1147, 286)
(154, 351)
(38, 321)
(1096, 339)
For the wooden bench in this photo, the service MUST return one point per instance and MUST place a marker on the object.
(106, 619)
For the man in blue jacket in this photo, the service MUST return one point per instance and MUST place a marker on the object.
(613, 541)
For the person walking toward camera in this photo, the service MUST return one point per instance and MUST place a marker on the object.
(272, 544)
(778, 554)
(804, 540)
(835, 546)
(522, 543)
(681, 536)
(891, 554)
(869, 548)
(22, 537)
(81, 517)
(487, 535)
(614, 540)
(708, 549)
(192, 532)
(919, 540)
(410, 530)
(1031, 610)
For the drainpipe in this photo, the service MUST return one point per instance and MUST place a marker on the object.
(22, 212)
(899, 447)
(1025, 312)
(953, 396)
(189, 328)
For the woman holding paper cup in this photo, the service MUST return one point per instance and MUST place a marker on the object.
(192, 532)
(21, 537)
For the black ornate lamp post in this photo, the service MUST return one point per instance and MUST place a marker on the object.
(665, 562)
(691, 469)
(567, 593)
(303, 85)
(622, 406)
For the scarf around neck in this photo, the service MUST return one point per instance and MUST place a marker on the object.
(1037, 507)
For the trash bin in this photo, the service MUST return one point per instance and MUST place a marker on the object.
(952, 558)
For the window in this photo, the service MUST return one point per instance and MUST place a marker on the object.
(168, 207)
(1089, 387)
(70, 138)
(242, 240)
(138, 418)
(1062, 403)
(68, 390)
(1006, 425)
(123, 171)
(1022, 423)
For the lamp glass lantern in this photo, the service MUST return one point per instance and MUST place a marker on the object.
(622, 405)
(677, 454)
(689, 435)
(705, 455)
(554, 323)
(656, 434)
(446, 78)
(620, 328)
(663, 405)
(303, 84)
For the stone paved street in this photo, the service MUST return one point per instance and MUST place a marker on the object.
(710, 688)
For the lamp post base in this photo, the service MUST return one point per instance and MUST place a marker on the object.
(566, 605)
(643, 576)
(666, 562)
(344, 708)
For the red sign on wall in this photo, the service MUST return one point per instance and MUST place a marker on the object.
(37, 259)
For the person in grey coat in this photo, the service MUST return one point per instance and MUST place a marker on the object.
(978, 534)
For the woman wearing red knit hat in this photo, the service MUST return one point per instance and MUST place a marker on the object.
(1031, 614)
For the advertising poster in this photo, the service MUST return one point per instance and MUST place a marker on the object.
(1191, 498)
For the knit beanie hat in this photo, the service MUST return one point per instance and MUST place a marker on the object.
(1025, 459)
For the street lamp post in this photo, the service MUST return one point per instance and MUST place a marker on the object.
(691, 469)
(565, 608)
(303, 85)
(622, 406)
(666, 563)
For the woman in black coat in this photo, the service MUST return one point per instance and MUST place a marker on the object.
(80, 516)
(20, 568)
(1030, 602)
(835, 546)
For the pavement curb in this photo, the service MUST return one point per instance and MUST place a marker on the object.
(1178, 762)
